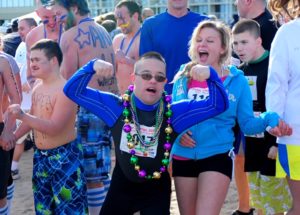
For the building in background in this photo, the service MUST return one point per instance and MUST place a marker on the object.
(98, 7)
(223, 9)
(10, 9)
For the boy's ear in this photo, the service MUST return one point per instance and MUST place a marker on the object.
(74, 9)
(259, 41)
(37, 12)
(132, 77)
(136, 15)
(54, 60)
(248, 2)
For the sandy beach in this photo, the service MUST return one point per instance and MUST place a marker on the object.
(23, 200)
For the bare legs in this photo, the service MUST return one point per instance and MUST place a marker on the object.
(204, 195)
(186, 192)
(242, 185)
(295, 192)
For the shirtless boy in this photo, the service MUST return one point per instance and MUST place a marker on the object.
(58, 181)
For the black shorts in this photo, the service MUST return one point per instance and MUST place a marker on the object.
(221, 163)
(256, 155)
(5, 164)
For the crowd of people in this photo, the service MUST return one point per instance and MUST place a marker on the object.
(177, 95)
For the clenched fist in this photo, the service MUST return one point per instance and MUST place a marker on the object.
(103, 68)
(200, 73)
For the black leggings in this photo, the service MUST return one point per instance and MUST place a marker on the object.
(126, 197)
(5, 164)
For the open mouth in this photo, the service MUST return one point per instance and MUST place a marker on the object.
(34, 68)
(52, 26)
(203, 55)
(241, 56)
(151, 90)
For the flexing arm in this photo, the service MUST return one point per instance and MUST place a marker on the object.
(189, 112)
(105, 105)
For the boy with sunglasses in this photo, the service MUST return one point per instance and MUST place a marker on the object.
(141, 123)
(148, 77)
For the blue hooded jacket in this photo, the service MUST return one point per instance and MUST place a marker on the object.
(215, 135)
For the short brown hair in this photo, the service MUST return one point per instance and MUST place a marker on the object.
(150, 55)
(132, 7)
(247, 25)
(50, 48)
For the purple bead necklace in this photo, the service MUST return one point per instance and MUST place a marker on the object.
(131, 145)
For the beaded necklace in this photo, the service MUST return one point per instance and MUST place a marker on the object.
(158, 123)
(130, 109)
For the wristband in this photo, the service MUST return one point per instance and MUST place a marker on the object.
(268, 128)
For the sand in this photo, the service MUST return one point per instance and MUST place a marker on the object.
(23, 200)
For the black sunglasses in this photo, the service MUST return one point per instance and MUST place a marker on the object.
(149, 76)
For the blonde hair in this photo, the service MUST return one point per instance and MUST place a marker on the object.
(282, 8)
(224, 32)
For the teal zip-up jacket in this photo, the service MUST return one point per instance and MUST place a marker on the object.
(215, 135)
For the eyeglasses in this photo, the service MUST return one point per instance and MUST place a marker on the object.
(149, 76)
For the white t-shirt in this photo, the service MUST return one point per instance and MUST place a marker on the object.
(20, 58)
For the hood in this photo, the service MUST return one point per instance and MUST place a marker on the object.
(233, 73)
